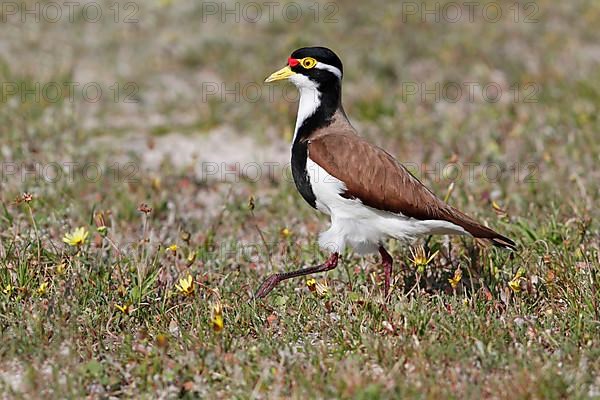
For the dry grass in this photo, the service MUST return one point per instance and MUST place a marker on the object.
(516, 326)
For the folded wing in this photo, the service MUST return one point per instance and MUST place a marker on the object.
(378, 180)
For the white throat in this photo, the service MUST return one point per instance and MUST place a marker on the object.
(310, 99)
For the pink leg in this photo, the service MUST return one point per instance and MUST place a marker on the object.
(274, 279)
(387, 262)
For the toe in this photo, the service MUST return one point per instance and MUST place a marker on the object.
(267, 286)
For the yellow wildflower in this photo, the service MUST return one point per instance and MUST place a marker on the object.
(186, 286)
(286, 233)
(420, 258)
(125, 308)
(498, 210)
(455, 280)
(172, 248)
(515, 282)
(311, 284)
(515, 285)
(42, 289)
(217, 317)
(77, 237)
(8, 289)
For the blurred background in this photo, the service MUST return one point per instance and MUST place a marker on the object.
(180, 82)
(151, 119)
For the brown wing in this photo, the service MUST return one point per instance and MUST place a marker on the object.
(378, 180)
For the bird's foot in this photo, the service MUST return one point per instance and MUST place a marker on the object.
(267, 285)
(274, 279)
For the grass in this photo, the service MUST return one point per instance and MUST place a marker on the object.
(522, 325)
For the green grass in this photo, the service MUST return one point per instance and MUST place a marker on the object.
(482, 340)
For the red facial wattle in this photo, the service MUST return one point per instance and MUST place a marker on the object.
(292, 62)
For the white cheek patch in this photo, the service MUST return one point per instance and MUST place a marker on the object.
(303, 82)
(310, 99)
(334, 70)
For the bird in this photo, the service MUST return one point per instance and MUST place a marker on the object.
(368, 194)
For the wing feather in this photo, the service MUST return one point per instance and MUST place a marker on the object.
(378, 180)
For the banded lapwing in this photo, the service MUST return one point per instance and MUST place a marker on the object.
(368, 194)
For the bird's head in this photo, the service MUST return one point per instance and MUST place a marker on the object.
(310, 67)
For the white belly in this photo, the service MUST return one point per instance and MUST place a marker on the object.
(362, 227)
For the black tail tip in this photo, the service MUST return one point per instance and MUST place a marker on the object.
(504, 242)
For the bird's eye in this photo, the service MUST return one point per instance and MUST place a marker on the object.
(308, 62)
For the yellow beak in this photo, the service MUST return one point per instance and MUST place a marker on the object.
(283, 73)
